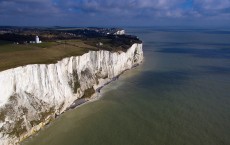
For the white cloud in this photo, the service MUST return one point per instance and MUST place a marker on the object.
(113, 9)
(213, 4)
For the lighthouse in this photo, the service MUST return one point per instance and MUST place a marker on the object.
(37, 40)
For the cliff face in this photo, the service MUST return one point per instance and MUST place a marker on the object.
(30, 95)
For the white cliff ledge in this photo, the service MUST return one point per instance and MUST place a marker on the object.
(30, 95)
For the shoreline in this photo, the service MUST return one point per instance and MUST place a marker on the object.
(83, 101)
(76, 104)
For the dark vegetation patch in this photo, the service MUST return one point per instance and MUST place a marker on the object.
(42, 116)
(105, 77)
(113, 42)
(18, 128)
(88, 93)
(13, 100)
(24, 110)
(75, 83)
(3, 114)
(86, 73)
(14, 37)
(8, 108)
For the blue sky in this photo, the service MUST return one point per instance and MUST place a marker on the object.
(115, 12)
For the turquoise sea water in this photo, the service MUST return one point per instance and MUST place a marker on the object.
(180, 95)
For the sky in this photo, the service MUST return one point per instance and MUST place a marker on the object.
(115, 12)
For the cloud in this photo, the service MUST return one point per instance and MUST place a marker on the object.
(120, 6)
(158, 8)
(213, 4)
(84, 10)
(27, 7)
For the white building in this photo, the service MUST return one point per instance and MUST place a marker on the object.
(36, 40)
(120, 32)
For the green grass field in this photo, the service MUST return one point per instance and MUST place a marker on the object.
(13, 55)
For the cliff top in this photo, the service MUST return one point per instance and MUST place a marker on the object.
(57, 44)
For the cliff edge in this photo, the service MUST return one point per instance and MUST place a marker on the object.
(32, 95)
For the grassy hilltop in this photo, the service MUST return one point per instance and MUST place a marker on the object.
(59, 44)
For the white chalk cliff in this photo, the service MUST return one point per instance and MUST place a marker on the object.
(31, 95)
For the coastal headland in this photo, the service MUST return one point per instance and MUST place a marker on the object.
(40, 81)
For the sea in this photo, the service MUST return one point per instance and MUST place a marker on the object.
(179, 95)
